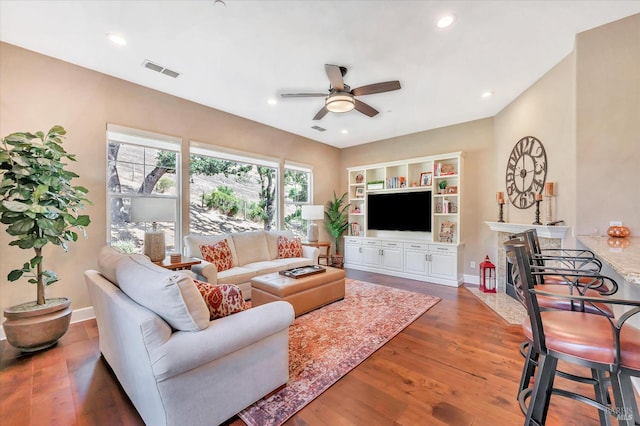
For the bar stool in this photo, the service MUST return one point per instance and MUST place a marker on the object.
(566, 282)
(610, 348)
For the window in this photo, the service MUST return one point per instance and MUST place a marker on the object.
(297, 190)
(231, 192)
(142, 169)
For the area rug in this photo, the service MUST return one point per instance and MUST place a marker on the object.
(327, 343)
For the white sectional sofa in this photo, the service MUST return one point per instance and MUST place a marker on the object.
(176, 366)
(254, 253)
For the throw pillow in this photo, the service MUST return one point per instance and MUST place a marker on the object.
(108, 260)
(221, 299)
(218, 254)
(289, 247)
(171, 295)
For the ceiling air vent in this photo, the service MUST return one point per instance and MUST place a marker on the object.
(158, 68)
(318, 128)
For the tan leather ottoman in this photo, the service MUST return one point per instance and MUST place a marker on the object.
(305, 294)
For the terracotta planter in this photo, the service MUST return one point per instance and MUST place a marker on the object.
(30, 327)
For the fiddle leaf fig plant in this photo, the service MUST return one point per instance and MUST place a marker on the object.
(38, 202)
(336, 218)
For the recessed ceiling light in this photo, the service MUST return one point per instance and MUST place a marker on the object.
(344, 131)
(445, 21)
(487, 94)
(272, 101)
(117, 39)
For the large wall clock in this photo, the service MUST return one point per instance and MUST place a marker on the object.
(526, 172)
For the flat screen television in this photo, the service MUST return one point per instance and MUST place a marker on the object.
(399, 211)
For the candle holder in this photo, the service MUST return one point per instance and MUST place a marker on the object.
(549, 209)
(537, 222)
(500, 214)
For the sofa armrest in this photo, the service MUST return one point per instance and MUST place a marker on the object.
(222, 337)
(206, 270)
(311, 253)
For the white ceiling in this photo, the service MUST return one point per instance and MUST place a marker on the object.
(236, 57)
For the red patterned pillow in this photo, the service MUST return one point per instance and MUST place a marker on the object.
(221, 299)
(289, 248)
(219, 254)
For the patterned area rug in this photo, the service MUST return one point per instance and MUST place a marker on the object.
(327, 343)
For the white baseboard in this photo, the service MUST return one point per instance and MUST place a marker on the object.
(471, 279)
(77, 315)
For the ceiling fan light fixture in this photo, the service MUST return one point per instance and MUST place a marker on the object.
(340, 102)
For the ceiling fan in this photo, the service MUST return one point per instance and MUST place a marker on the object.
(341, 98)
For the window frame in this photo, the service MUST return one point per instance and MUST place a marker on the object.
(135, 137)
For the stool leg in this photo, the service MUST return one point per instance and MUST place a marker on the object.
(529, 368)
(626, 409)
(542, 388)
(602, 395)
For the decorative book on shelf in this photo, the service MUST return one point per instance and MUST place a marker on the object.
(445, 169)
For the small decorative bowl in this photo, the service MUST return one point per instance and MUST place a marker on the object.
(618, 231)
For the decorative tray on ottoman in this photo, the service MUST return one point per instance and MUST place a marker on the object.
(303, 271)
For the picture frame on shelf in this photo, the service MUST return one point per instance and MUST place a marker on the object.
(359, 192)
(425, 178)
(454, 208)
(359, 178)
(451, 190)
(447, 169)
(447, 232)
(438, 208)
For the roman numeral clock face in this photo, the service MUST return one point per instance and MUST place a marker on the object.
(526, 172)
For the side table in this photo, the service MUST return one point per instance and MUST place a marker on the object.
(320, 244)
(184, 263)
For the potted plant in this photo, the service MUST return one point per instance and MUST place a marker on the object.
(39, 206)
(336, 222)
(442, 185)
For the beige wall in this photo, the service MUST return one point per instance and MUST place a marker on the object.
(546, 110)
(37, 92)
(608, 126)
(584, 110)
(475, 139)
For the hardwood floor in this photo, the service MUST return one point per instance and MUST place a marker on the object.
(458, 364)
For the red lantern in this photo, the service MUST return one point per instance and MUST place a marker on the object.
(487, 276)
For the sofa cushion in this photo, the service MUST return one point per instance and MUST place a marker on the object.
(265, 267)
(221, 299)
(219, 254)
(108, 260)
(250, 247)
(193, 242)
(293, 262)
(173, 296)
(272, 241)
(236, 275)
(289, 247)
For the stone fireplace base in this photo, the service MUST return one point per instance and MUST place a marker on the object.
(550, 237)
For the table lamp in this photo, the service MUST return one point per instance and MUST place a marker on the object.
(311, 213)
(153, 209)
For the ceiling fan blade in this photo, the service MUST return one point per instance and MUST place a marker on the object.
(365, 109)
(335, 77)
(303, 95)
(370, 89)
(321, 113)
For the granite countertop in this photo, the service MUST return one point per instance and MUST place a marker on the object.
(623, 260)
